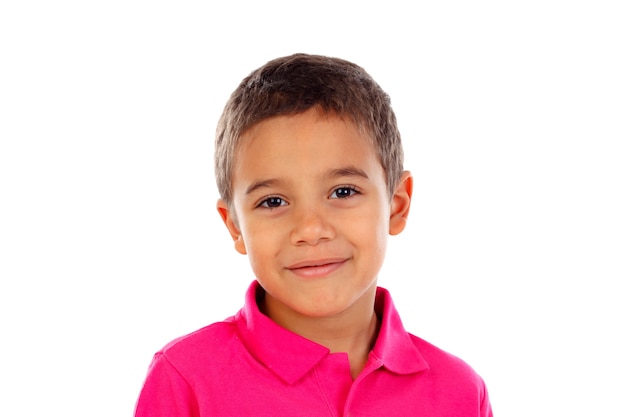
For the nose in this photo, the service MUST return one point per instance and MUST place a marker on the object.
(310, 227)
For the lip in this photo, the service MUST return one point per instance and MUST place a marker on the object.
(316, 268)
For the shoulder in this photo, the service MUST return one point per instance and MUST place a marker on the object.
(181, 366)
(201, 346)
(443, 364)
(453, 379)
(198, 337)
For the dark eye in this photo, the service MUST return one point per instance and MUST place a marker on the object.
(343, 192)
(272, 202)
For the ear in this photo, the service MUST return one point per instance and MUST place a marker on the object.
(400, 204)
(228, 216)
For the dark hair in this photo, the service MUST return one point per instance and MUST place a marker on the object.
(296, 83)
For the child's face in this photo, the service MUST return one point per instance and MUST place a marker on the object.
(311, 209)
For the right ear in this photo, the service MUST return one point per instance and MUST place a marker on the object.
(229, 219)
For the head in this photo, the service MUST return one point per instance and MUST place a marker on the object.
(294, 84)
(309, 167)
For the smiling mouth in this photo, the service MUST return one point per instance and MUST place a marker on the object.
(316, 269)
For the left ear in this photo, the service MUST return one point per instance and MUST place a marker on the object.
(400, 204)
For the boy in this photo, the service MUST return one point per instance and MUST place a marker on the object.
(308, 162)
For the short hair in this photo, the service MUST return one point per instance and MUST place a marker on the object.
(293, 84)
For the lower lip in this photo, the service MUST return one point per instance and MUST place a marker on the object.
(320, 271)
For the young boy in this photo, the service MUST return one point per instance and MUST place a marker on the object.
(309, 167)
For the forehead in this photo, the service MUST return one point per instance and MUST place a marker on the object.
(303, 142)
(315, 114)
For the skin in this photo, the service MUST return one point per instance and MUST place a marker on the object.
(312, 211)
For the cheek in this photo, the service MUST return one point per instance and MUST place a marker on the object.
(256, 257)
(379, 230)
(369, 232)
(373, 222)
(261, 244)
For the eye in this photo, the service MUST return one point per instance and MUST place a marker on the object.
(343, 192)
(272, 202)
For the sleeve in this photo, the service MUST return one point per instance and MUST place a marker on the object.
(165, 392)
(485, 404)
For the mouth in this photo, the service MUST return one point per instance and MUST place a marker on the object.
(316, 268)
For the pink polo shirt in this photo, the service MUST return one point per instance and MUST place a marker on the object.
(247, 365)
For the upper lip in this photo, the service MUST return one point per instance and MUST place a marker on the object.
(316, 262)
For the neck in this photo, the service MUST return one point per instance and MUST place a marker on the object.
(352, 331)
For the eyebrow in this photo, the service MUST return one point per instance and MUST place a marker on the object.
(348, 171)
(261, 184)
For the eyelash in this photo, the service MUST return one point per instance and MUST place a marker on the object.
(265, 203)
(352, 190)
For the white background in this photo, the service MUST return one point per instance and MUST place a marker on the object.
(513, 118)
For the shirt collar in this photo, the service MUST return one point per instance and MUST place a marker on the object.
(290, 356)
(394, 347)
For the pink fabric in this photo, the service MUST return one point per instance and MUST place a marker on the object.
(249, 366)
